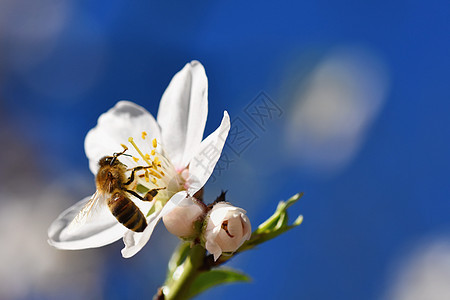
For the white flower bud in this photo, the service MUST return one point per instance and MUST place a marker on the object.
(227, 229)
(181, 220)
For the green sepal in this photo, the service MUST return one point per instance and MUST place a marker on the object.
(141, 189)
(151, 211)
(198, 225)
(211, 278)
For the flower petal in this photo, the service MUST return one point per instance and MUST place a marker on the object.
(114, 127)
(213, 248)
(99, 230)
(182, 113)
(135, 241)
(210, 235)
(206, 156)
(247, 227)
(221, 210)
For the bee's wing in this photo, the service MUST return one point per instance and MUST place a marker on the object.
(89, 210)
(87, 224)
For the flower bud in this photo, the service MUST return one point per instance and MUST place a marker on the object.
(226, 230)
(181, 221)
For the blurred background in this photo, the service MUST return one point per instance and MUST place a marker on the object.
(346, 101)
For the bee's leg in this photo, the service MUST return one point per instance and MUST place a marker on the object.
(149, 196)
(131, 179)
(152, 194)
(135, 194)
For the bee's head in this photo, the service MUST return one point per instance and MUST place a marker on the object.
(108, 161)
(112, 160)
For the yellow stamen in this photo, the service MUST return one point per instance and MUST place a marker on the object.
(146, 176)
(147, 156)
(154, 173)
(160, 172)
(130, 139)
(153, 152)
(144, 134)
(124, 147)
(135, 159)
(157, 161)
(154, 143)
(153, 180)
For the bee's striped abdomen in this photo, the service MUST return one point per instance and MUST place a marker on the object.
(126, 212)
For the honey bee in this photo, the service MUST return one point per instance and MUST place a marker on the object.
(113, 190)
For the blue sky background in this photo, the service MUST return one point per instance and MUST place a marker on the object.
(62, 65)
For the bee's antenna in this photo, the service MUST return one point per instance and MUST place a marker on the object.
(117, 154)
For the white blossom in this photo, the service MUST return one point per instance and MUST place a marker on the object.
(173, 144)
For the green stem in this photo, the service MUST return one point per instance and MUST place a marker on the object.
(179, 288)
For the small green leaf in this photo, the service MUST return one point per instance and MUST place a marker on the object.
(275, 225)
(292, 200)
(282, 221)
(215, 277)
(298, 221)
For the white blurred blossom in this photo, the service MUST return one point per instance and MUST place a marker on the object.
(334, 108)
(424, 274)
(30, 30)
(29, 265)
